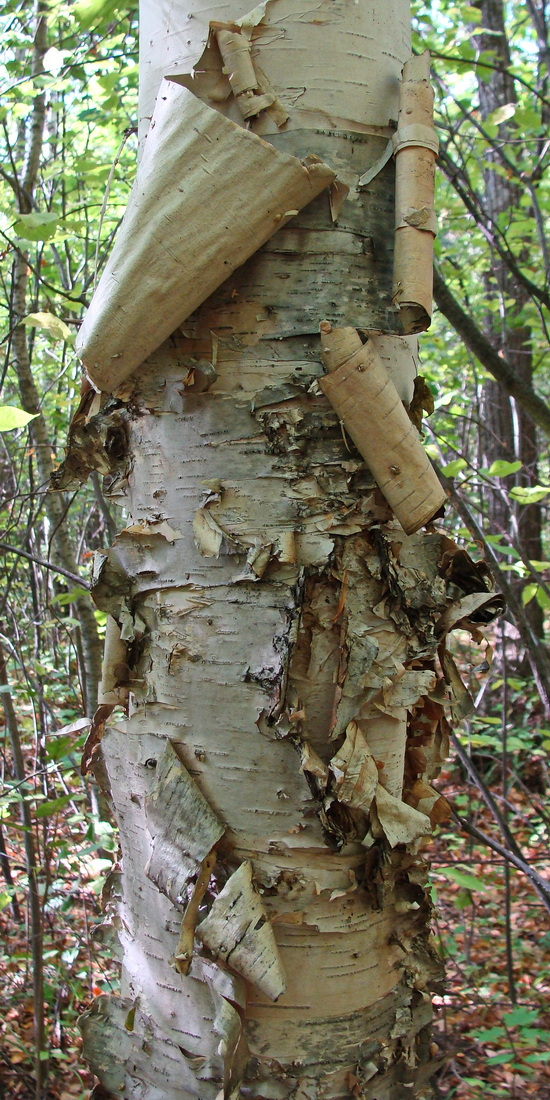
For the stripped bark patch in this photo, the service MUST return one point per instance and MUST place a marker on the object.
(398, 822)
(93, 740)
(355, 771)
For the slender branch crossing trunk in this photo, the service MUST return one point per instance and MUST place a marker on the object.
(273, 625)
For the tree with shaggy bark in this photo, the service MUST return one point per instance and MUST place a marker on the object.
(274, 607)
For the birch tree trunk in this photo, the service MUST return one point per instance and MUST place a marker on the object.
(274, 626)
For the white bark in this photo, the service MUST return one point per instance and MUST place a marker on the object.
(281, 630)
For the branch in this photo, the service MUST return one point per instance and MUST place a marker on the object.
(483, 64)
(490, 229)
(538, 654)
(49, 286)
(541, 884)
(484, 351)
(46, 564)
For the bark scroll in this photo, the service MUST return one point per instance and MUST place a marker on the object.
(360, 390)
(415, 146)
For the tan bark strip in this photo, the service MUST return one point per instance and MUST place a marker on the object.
(113, 687)
(366, 401)
(93, 740)
(244, 80)
(416, 147)
(184, 950)
(207, 195)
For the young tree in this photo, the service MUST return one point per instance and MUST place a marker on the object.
(274, 625)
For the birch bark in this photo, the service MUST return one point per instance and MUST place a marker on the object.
(277, 630)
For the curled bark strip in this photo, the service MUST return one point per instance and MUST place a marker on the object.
(415, 147)
(113, 687)
(368, 405)
(93, 739)
(470, 611)
(207, 195)
(237, 930)
(184, 950)
(246, 84)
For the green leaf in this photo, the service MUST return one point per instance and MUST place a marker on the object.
(501, 468)
(544, 1056)
(453, 468)
(473, 15)
(5, 899)
(465, 879)
(542, 599)
(66, 598)
(529, 494)
(36, 226)
(87, 11)
(11, 417)
(466, 50)
(502, 114)
(48, 322)
(519, 1016)
(528, 593)
(490, 1034)
(47, 809)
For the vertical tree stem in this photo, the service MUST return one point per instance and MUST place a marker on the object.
(35, 906)
(507, 895)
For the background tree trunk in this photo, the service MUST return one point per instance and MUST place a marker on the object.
(507, 431)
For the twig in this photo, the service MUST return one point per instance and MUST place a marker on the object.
(489, 358)
(542, 884)
(507, 893)
(46, 564)
(538, 657)
(118, 154)
(6, 871)
(184, 950)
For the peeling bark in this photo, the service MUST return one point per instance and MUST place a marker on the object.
(286, 708)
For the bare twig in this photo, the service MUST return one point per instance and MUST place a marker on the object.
(45, 564)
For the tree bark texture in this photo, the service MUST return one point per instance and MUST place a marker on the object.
(276, 631)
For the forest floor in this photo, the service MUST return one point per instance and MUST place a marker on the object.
(493, 1019)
